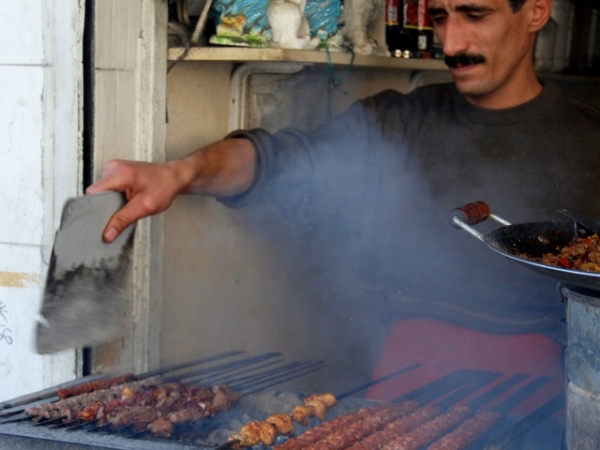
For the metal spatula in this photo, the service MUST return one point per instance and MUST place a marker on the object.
(588, 223)
(84, 293)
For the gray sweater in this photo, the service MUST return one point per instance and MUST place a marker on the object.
(392, 167)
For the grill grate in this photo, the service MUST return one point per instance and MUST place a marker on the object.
(257, 378)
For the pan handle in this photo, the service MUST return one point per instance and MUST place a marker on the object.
(471, 214)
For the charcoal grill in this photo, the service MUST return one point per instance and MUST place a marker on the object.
(530, 406)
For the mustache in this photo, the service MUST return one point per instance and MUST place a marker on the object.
(463, 59)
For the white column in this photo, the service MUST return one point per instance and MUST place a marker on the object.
(130, 56)
(40, 154)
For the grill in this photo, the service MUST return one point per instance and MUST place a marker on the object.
(530, 407)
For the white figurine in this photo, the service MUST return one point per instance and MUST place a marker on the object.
(358, 16)
(289, 26)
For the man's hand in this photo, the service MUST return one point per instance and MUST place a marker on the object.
(221, 169)
(150, 188)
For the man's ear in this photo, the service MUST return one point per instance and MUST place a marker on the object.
(540, 13)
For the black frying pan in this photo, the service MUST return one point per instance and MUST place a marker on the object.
(533, 239)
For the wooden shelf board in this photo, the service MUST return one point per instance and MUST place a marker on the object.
(247, 54)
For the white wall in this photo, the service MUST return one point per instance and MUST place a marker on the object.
(40, 166)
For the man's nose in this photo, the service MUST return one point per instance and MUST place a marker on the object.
(454, 40)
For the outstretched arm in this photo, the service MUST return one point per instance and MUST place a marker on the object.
(221, 169)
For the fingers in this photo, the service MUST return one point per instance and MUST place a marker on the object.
(121, 220)
(140, 205)
(148, 189)
(113, 178)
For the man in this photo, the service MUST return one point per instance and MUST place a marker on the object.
(393, 166)
(504, 80)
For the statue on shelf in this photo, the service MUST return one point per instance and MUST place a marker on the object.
(289, 25)
(358, 18)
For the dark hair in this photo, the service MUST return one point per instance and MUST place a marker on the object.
(516, 5)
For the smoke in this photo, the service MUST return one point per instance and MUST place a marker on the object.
(320, 225)
(347, 220)
(350, 220)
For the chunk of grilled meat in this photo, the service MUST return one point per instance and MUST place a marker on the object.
(181, 416)
(317, 408)
(327, 398)
(224, 397)
(301, 414)
(282, 422)
(254, 433)
(161, 427)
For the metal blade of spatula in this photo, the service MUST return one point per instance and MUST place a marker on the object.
(84, 295)
(587, 222)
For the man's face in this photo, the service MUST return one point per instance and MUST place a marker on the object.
(488, 44)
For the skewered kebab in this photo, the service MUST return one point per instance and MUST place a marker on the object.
(89, 406)
(410, 431)
(407, 431)
(266, 432)
(150, 391)
(429, 431)
(467, 432)
(71, 407)
(95, 386)
(343, 430)
(146, 405)
(142, 404)
(343, 438)
(191, 406)
(314, 405)
(393, 429)
(324, 429)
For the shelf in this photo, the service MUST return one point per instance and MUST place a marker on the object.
(247, 54)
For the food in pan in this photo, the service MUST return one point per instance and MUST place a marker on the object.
(266, 432)
(145, 404)
(580, 254)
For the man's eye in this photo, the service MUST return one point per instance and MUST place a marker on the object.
(475, 16)
(438, 20)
